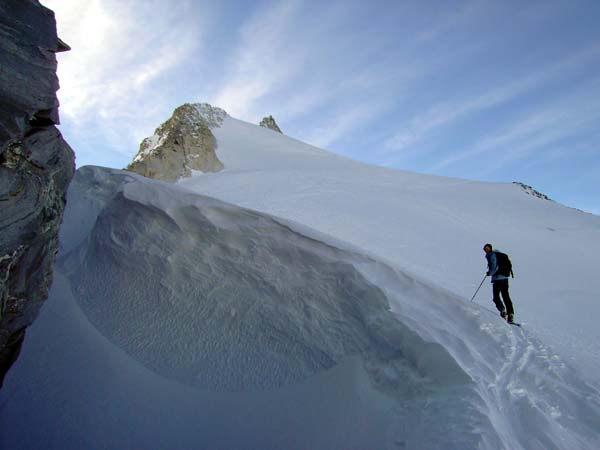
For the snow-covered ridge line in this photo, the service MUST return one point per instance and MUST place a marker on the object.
(213, 116)
(432, 227)
(531, 191)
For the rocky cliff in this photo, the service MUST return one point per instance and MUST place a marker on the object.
(269, 122)
(36, 166)
(181, 144)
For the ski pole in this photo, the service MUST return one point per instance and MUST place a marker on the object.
(481, 284)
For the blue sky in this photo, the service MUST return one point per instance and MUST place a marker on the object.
(486, 90)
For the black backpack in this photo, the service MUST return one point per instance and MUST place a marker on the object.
(504, 264)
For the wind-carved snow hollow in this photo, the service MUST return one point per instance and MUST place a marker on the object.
(263, 318)
(228, 299)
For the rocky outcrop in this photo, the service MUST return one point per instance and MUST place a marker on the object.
(531, 191)
(36, 166)
(269, 122)
(183, 143)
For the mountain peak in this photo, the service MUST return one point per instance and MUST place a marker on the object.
(213, 116)
(183, 143)
(269, 122)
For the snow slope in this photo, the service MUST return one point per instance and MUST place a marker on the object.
(431, 227)
(340, 321)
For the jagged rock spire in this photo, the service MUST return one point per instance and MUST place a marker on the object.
(269, 122)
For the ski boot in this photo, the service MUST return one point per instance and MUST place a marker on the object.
(503, 314)
(510, 318)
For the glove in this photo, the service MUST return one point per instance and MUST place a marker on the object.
(487, 274)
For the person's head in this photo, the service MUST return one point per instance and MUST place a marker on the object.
(487, 248)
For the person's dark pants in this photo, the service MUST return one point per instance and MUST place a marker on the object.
(501, 287)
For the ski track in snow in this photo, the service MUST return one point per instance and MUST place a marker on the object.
(536, 400)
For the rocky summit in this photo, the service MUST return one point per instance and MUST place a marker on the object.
(182, 144)
(36, 166)
(269, 122)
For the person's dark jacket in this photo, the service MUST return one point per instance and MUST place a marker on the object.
(493, 267)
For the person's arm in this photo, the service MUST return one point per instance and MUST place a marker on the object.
(492, 265)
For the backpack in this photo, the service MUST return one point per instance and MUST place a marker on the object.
(504, 264)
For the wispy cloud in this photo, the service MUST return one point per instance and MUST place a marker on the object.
(461, 17)
(532, 131)
(340, 123)
(118, 50)
(262, 60)
(309, 66)
(446, 112)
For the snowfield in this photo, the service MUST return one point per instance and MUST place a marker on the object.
(299, 299)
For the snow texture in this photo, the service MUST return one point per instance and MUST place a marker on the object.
(431, 227)
(333, 314)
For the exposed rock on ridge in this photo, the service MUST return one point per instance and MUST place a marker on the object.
(269, 122)
(531, 191)
(36, 166)
(181, 144)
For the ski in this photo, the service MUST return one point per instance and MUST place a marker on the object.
(516, 324)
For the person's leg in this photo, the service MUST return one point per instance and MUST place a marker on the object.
(497, 302)
(506, 297)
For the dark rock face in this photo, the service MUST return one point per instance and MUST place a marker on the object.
(269, 122)
(36, 167)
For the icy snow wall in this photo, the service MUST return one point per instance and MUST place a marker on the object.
(227, 299)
